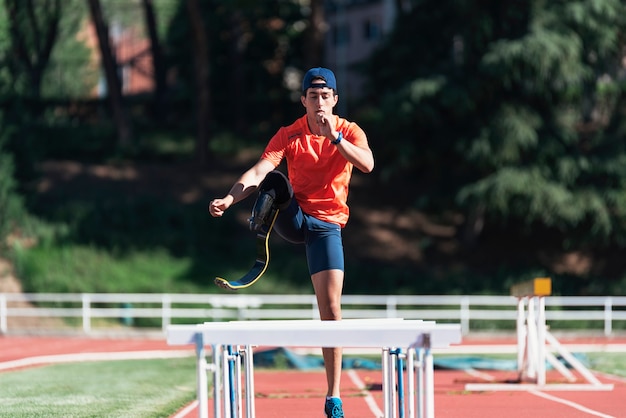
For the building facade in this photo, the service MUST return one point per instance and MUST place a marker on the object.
(355, 29)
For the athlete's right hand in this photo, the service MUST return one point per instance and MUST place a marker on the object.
(217, 207)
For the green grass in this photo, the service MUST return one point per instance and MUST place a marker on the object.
(611, 363)
(129, 389)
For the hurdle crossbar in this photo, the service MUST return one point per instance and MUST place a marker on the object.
(411, 335)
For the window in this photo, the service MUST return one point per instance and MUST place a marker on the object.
(371, 30)
(341, 34)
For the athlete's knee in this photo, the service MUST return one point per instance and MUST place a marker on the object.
(332, 312)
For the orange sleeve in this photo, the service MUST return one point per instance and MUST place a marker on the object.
(275, 149)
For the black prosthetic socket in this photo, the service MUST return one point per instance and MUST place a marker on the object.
(278, 183)
(275, 193)
(263, 211)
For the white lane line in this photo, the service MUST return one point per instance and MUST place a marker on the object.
(186, 411)
(570, 403)
(480, 375)
(369, 399)
(69, 358)
(610, 376)
(544, 395)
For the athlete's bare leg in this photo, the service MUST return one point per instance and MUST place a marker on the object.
(328, 286)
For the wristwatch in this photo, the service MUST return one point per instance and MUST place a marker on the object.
(338, 140)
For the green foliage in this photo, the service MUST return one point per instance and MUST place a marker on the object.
(5, 43)
(512, 112)
(33, 31)
(227, 145)
(78, 269)
(111, 242)
(512, 115)
(11, 204)
(15, 218)
(71, 72)
(253, 47)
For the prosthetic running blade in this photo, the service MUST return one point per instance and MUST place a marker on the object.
(260, 264)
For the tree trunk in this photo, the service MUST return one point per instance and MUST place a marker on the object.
(237, 76)
(314, 40)
(114, 85)
(158, 65)
(42, 30)
(402, 6)
(202, 73)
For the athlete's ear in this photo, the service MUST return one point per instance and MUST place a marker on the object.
(303, 100)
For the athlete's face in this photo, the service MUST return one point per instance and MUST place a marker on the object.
(319, 102)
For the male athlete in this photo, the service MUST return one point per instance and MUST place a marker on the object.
(320, 149)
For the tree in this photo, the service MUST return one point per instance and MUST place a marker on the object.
(158, 64)
(114, 85)
(314, 35)
(255, 58)
(509, 113)
(201, 77)
(44, 56)
(69, 72)
(5, 54)
(34, 28)
(11, 204)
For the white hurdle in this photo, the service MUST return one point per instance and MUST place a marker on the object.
(533, 342)
(415, 336)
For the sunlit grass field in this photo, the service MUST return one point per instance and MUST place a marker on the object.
(611, 363)
(128, 389)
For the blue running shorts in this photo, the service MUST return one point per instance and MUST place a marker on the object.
(322, 240)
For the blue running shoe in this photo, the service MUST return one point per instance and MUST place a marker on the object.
(333, 408)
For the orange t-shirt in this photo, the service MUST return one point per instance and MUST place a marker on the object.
(319, 174)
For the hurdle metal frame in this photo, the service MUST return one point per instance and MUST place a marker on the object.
(533, 343)
(388, 334)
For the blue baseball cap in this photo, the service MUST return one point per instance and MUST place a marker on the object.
(319, 73)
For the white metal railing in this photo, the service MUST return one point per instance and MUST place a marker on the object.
(472, 312)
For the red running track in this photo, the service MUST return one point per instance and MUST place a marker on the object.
(281, 394)
(300, 394)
